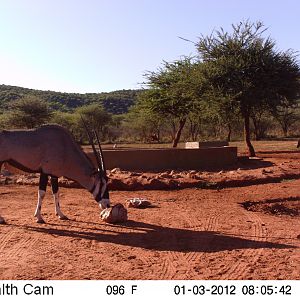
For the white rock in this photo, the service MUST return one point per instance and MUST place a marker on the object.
(165, 175)
(115, 170)
(176, 176)
(193, 172)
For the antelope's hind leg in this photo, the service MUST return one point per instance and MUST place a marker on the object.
(54, 185)
(38, 214)
(2, 221)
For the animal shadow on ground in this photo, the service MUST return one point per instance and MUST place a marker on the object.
(279, 152)
(243, 163)
(160, 238)
(251, 164)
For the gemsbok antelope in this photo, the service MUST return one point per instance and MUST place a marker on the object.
(52, 151)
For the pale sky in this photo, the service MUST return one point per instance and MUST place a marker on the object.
(105, 45)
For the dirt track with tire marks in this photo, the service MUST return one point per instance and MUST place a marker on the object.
(190, 234)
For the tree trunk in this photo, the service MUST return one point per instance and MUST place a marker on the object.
(178, 133)
(173, 129)
(285, 130)
(251, 151)
(158, 135)
(229, 132)
(193, 132)
(256, 131)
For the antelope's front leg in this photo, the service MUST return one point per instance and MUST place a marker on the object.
(58, 212)
(2, 221)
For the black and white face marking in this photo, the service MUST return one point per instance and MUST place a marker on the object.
(100, 191)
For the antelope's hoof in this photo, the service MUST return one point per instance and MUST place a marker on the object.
(63, 217)
(40, 221)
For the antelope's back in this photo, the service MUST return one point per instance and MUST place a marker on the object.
(62, 156)
(57, 143)
(49, 148)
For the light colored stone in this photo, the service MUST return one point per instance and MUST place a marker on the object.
(115, 170)
(138, 203)
(210, 144)
(114, 214)
(176, 176)
(20, 180)
(165, 175)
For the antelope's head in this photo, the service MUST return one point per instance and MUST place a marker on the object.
(100, 193)
(100, 179)
(100, 189)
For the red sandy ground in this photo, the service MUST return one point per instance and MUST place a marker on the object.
(247, 232)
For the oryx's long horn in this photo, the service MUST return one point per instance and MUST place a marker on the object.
(99, 164)
(101, 153)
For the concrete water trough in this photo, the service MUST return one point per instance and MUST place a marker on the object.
(169, 159)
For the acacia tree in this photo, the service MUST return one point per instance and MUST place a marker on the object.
(195, 121)
(246, 68)
(97, 117)
(220, 109)
(28, 112)
(261, 120)
(174, 91)
(286, 116)
(143, 123)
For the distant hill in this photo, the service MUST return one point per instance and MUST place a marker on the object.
(117, 102)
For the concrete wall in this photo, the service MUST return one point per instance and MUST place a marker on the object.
(164, 159)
